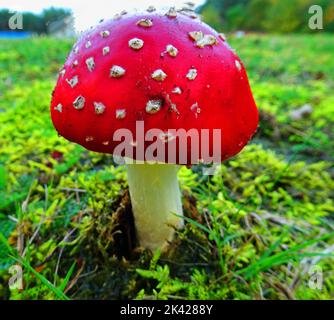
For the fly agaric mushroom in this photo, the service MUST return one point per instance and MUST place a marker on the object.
(170, 71)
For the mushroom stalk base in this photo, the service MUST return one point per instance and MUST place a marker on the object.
(155, 198)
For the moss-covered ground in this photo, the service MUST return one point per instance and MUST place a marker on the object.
(260, 228)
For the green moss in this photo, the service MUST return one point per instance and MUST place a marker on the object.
(252, 230)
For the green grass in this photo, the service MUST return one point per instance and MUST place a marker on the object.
(252, 230)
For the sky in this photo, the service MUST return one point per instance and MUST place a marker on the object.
(89, 12)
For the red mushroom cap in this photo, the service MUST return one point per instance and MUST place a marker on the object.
(169, 70)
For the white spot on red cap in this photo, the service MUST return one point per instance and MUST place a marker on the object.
(151, 9)
(172, 106)
(188, 12)
(207, 40)
(159, 75)
(174, 109)
(89, 138)
(120, 113)
(147, 23)
(105, 50)
(79, 102)
(75, 63)
(104, 33)
(238, 65)
(117, 71)
(172, 51)
(88, 44)
(153, 106)
(76, 50)
(195, 107)
(73, 82)
(203, 40)
(105, 143)
(177, 90)
(90, 64)
(62, 72)
(117, 16)
(171, 12)
(59, 107)
(192, 74)
(136, 43)
(196, 35)
(99, 107)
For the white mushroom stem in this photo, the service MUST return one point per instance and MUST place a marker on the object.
(156, 202)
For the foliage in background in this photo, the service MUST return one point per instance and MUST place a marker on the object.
(276, 16)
